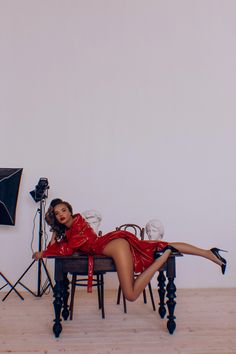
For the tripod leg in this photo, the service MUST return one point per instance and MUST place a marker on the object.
(18, 281)
(12, 287)
(48, 277)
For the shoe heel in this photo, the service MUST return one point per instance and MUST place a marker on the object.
(223, 268)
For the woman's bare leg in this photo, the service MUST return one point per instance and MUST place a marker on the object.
(189, 249)
(119, 250)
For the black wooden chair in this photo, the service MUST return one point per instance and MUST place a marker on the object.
(139, 232)
(81, 280)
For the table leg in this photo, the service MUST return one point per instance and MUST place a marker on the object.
(162, 291)
(65, 296)
(171, 290)
(57, 303)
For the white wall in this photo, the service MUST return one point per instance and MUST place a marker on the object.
(127, 107)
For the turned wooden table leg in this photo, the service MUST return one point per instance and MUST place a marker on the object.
(171, 294)
(171, 289)
(65, 296)
(57, 303)
(161, 290)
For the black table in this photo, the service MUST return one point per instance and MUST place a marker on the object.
(79, 263)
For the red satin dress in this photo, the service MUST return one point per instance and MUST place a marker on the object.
(82, 237)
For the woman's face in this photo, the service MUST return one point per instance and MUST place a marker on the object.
(63, 214)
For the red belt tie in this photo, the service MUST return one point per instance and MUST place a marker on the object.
(90, 273)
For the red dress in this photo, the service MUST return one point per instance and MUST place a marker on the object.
(81, 236)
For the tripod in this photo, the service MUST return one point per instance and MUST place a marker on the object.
(40, 290)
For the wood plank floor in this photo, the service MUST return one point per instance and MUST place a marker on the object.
(206, 323)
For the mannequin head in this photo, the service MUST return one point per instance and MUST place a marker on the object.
(154, 229)
(94, 218)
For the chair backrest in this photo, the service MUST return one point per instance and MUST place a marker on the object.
(134, 228)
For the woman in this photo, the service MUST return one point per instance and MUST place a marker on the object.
(72, 233)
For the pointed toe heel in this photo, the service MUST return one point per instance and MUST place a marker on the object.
(216, 251)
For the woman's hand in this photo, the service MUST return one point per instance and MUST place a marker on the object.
(37, 255)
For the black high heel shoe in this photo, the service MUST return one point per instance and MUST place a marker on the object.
(158, 254)
(216, 253)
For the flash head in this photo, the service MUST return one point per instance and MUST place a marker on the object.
(40, 191)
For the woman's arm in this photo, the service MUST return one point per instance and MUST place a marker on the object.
(38, 255)
(62, 248)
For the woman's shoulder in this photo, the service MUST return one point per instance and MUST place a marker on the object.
(79, 224)
(78, 218)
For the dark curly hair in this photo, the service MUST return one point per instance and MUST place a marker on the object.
(51, 220)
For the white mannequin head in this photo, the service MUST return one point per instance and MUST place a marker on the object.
(154, 229)
(93, 217)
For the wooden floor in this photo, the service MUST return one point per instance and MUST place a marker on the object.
(206, 323)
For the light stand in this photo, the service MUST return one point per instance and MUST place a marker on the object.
(40, 290)
(9, 188)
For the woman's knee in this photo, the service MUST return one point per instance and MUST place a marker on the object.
(129, 294)
(131, 297)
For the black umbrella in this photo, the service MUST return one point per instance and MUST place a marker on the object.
(9, 188)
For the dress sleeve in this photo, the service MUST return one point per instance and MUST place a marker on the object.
(65, 248)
